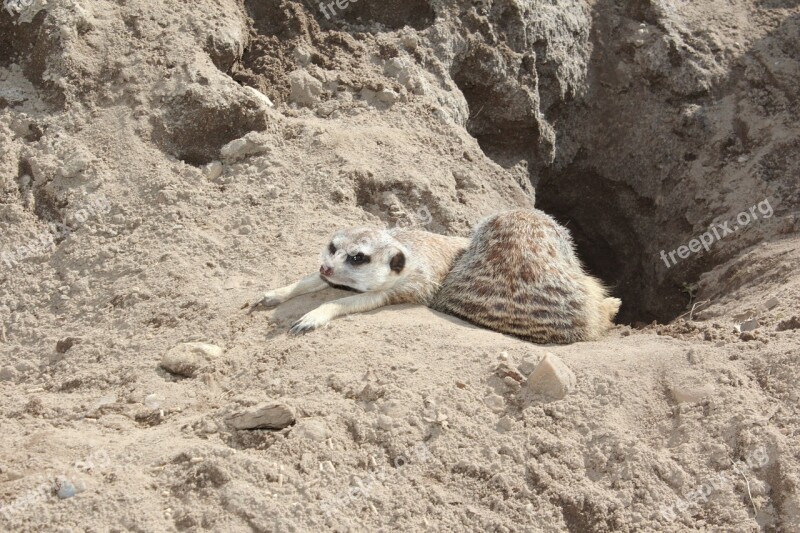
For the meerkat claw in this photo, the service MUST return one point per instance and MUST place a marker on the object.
(309, 322)
(301, 328)
(267, 302)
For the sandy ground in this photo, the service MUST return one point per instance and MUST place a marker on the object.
(163, 164)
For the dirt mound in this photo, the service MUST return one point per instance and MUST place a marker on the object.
(163, 164)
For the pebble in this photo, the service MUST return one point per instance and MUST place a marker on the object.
(258, 95)
(253, 143)
(748, 325)
(551, 378)
(771, 303)
(683, 393)
(387, 96)
(263, 416)
(65, 489)
(304, 89)
(213, 170)
(188, 358)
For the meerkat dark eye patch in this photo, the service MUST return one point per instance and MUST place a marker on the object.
(331, 249)
(398, 262)
(358, 259)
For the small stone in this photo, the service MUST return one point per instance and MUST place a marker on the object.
(551, 378)
(253, 143)
(65, 489)
(213, 170)
(743, 159)
(771, 303)
(312, 429)
(387, 96)
(263, 416)
(748, 325)
(258, 95)
(495, 402)
(304, 89)
(691, 393)
(302, 55)
(188, 358)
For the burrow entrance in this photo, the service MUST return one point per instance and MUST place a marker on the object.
(613, 230)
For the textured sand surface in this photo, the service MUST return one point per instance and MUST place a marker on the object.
(162, 164)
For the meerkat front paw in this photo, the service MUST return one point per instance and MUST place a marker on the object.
(310, 321)
(269, 300)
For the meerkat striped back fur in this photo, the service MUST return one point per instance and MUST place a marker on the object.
(520, 276)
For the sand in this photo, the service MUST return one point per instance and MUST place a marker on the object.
(163, 164)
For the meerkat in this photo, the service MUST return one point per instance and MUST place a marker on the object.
(520, 275)
(517, 274)
(386, 266)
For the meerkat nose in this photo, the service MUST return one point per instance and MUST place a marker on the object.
(325, 270)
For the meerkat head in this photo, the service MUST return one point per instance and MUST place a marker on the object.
(364, 259)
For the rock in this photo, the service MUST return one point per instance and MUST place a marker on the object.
(258, 95)
(312, 429)
(748, 325)
(213, 170)
(188, 358)
(551, 378)
(251, 144)
(305, 89)
(691, 393)
(387, 96)
(302, 55)
(771, 303)
(65, 489)
(263, 416)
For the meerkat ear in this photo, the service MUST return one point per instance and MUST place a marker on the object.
(398, 262)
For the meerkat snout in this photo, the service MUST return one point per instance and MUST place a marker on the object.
(326, 271)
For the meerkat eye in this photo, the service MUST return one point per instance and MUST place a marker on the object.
(331, 249)
(358, 259)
